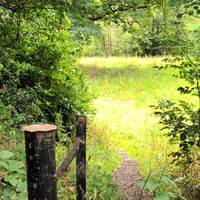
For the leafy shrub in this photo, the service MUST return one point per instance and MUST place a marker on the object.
(182, 122)
(102, 160)
(12, 177)
(39, 78)
(163, 187)
(38, 73)
(101, 164)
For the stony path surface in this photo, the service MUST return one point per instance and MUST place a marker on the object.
(127, 175)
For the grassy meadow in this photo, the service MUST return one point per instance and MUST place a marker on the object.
(124, 89)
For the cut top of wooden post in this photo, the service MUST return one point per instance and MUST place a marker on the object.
(81, 119)
(39, 128)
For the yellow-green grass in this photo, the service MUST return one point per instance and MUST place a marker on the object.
(124, 89)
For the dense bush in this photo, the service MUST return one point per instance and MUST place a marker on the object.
(12, 176)
(38, 72)
(40, 81)
(181, 121)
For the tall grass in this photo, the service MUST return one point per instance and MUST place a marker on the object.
(124, 89)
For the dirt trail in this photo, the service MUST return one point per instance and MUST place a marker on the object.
(127, 176)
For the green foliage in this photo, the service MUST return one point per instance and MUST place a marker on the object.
(101, 185)
(102, 160)
(183, 125)
(144, 32)
(109, 10)
(12, 170)
(125, 86)
(39, 78)
(162, 187)
(160, 29)
(190, 7)
(38, 74)
(12, 176)
(9, 136)
(182, 121)
(111, 41)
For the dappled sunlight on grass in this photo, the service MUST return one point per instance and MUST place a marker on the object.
(110, 62)
(122, 116)
(133, 130)
(124, 89)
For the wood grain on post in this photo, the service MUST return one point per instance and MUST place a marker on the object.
(81, 158)
(40, 161)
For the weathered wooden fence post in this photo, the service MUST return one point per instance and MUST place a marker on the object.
(81, 158)
(40, 160)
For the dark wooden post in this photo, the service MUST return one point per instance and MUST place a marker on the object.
(81, 158)
(40, 161)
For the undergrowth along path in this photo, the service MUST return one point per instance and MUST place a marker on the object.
(127, 176)
(124, 90)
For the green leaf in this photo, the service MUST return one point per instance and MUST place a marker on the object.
(151, 185)
(6, 155)
(22, 196)
(162, 196)
(21, 187)
(179, 15)
(3, 164)
(21, 171)
(15, 165)
(168, 181)
(8, 193)
(12, 180)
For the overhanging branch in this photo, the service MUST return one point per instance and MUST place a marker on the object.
(123, 8)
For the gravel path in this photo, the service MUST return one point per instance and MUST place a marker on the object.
(127, 176)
